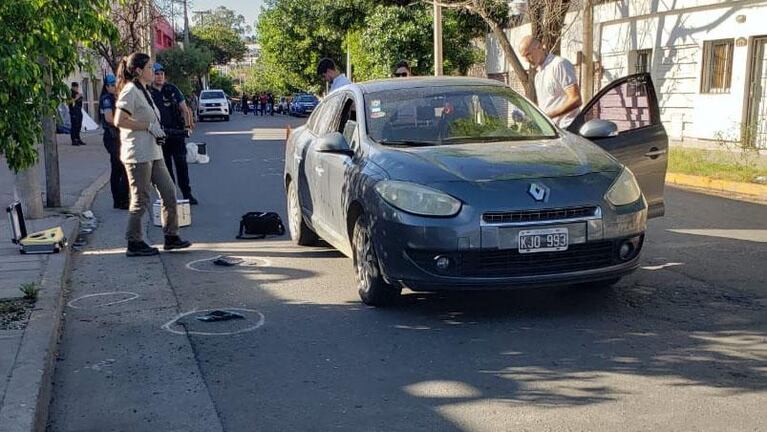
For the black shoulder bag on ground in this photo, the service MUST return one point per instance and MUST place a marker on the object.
(258, 225)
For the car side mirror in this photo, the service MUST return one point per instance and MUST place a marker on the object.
(598, 128)
(334, 142)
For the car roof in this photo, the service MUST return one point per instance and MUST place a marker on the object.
(418, 82)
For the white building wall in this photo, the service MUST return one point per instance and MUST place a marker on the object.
(675, 30)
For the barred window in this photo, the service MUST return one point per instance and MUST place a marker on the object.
(717, 66)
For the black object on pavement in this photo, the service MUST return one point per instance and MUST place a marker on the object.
(220, 315)
(227, 261)
(258, 225)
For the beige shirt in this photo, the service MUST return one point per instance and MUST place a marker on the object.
(137, 146)
(554, 76)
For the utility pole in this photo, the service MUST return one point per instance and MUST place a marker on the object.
(587, 68)
(186, 24)
(437, 39)
(348, 59)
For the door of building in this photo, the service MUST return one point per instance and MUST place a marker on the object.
(756, 123)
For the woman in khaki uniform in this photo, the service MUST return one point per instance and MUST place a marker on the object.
(141, 136)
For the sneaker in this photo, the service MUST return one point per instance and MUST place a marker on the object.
(140, 248)
(175, 242)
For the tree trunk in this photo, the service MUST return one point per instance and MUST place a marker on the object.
(511, 57)
(51, 152)
(587, 70)
(27, 190)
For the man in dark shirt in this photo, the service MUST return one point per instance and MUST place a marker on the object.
(176, 119)
(75, 114)
(118, 179)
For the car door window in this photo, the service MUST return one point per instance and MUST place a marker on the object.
(327, 117)
(348, 121)
(627, 105)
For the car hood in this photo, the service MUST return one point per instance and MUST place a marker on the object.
(487, 162)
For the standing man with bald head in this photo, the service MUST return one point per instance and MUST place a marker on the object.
(556, 83)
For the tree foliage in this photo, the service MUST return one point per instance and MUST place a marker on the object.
(221, 32)
(132, 19)
(186, 67)
(295, 34)
(221, 81)
(41, 44)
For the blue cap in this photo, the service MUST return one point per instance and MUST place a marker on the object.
(158, 68)
(110, 79)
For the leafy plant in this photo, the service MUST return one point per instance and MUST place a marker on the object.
(41, 44)
(30, 290)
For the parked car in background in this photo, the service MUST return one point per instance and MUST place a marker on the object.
(461, 183)
(303, 104)
(213, 103)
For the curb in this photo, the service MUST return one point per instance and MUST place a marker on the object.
(25, 407)
(750, 191)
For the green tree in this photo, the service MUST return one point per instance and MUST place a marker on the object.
(186, 67)
(223, 17)
(41, 43)
(224, 43)
(377, 33)
(221, 81)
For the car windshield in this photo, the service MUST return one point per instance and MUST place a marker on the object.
(452, 115)
(306, 99)
(213, 95)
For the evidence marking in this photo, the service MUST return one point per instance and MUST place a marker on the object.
(256, 263)
(259, 323)
(133, 296)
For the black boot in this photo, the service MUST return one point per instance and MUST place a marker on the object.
(139, 248)
(192, 200)
(175, 242)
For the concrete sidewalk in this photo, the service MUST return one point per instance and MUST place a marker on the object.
(26, 355)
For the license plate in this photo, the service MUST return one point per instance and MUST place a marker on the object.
(543, 240)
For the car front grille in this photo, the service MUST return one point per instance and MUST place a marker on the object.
(539, 215)
(511, 263)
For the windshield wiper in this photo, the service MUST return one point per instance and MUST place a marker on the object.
(408, 143)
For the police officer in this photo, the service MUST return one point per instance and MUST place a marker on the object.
(177, 121)
(118, 180)
(75, 114)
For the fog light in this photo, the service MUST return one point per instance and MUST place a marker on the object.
(626, 250)
(442, 262)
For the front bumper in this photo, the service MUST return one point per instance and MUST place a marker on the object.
(213, 111)
(485, 256)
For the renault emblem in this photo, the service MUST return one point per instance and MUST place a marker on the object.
(538, 191)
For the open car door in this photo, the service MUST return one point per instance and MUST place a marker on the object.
(640, 141)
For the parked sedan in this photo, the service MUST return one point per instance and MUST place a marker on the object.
(461, 183)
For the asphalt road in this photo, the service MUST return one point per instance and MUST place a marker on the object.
(679, 345)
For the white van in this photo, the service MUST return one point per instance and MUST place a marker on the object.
(213, 103)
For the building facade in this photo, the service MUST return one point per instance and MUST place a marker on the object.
(707, 58)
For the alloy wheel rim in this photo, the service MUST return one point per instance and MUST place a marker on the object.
(294, 210)
(365, 261)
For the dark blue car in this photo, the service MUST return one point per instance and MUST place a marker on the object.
(461, 183)
(303, 105)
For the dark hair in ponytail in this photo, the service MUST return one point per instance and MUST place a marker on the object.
(126, 70)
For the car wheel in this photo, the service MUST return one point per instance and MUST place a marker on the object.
(300, 233)
(226, 118)
(373, 289)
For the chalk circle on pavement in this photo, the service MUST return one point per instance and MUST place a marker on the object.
(188, 323)
(248, 265)
(102, 299)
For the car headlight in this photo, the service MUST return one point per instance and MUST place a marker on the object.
(417, 199)
(625, 190)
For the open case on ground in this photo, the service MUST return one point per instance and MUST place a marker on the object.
(51, 240)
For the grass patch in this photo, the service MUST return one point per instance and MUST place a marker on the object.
(722, 165)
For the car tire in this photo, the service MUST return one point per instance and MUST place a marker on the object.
(226, 118)
(373, 289)
(300, 233)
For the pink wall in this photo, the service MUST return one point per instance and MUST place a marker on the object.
(164, 36)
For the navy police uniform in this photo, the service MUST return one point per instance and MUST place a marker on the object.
(118, 179)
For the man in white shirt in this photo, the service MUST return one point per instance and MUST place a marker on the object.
(328, 71)
(556, 83)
